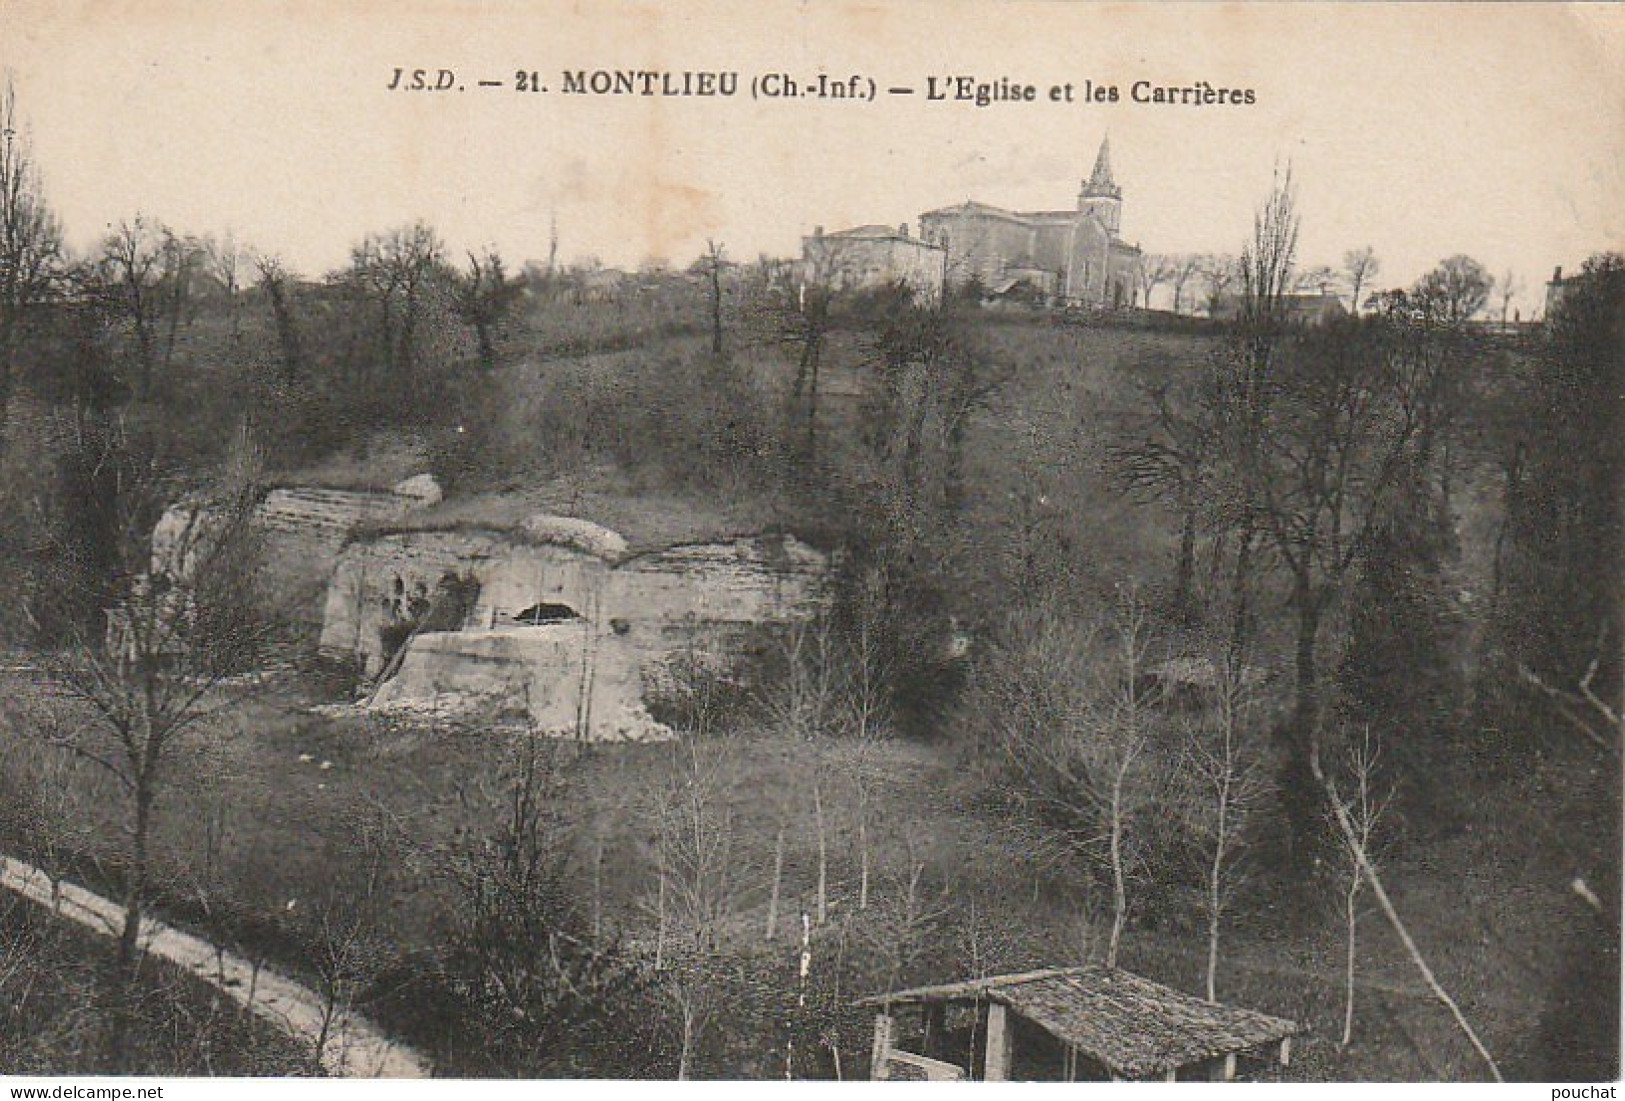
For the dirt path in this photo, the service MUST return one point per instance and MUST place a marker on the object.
(354, 1048)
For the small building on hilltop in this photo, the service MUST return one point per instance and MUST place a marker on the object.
(874, 256)
(1067, 1025)
(1307, 309)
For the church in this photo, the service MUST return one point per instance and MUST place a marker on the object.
(1070, 256)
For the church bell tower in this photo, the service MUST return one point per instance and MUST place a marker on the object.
(1100, 196)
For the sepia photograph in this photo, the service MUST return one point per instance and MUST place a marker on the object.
(839, 541)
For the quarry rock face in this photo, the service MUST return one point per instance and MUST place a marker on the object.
(557, 616)
(566, 678)
(302, 529)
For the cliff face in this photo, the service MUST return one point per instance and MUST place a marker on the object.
(574, 632)
(301, 531)
(568, 680)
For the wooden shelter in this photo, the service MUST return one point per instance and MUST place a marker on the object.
(1068, 1024)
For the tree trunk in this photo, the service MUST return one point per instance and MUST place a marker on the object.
(863, 865)
(1299, 798)
(136, 886)
(1351, 917)
(660, 920)
(145, 353)
(1304, 667)
(1215, 882)
(716, 310)
(1241, 595)
(1185, 574)
(1119, 885)
(1213, 945)
(823, 854)
(688, 1043)
(778, 879)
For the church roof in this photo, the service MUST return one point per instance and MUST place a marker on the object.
(971, 207)
(868, 231)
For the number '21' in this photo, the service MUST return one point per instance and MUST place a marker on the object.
(526, 82)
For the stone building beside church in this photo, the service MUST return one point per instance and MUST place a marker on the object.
(1073, 256)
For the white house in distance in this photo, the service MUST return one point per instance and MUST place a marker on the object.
(874, 256)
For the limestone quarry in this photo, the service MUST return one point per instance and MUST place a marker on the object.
(553, 618)
(557, 615)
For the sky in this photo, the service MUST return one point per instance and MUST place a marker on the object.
(1422, 131)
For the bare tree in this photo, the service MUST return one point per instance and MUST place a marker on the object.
(173, 639)
(1227, 762)
(181, 257)
(483, 298)
(806, 325)
(1184, 267)
(931, 369)
(1317, 437)
(1219, 273)
(542, 988)
(695, 863)
(907, 916)
(1361, 268)
(1506, 289)
(1363, 811)
(276, 281)
(30, 245)
(1270, 258)
(1068, 725)
(395, 271)
(132, 266)
(712, 264)
(1155, 270)
(1119, 748)
(1170, 464)
(224, 259)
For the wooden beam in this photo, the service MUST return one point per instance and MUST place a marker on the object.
(1286, 1051)
(1000, 1044)
(1230, 1067)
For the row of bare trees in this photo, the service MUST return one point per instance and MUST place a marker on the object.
(1457, 289)
(146, 281)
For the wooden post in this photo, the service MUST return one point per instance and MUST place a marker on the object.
(1229, 1071)
(1000, 1042)
(880, 1054)
(1172, 1075)
(1286, 1051)
(935, 1020)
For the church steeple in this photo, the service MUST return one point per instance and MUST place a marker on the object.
(1100, 184)
(1100, 197)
